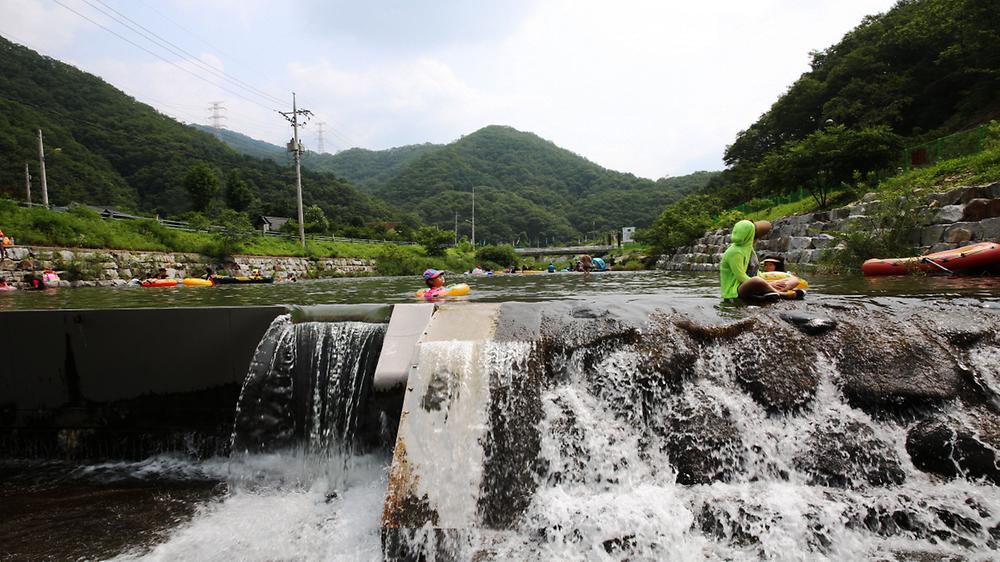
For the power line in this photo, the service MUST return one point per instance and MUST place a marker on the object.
(172, 63)
(153, 37)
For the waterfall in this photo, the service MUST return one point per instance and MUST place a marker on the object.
(743, 441)
(307, 385)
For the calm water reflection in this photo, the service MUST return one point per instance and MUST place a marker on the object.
(492, 289)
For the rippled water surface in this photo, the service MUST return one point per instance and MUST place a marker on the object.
(537, 287)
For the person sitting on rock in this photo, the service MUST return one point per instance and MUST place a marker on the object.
(774, 265)
(733, 279)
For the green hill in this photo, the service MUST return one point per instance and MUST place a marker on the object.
(368, 169)
(528, 188)
(106, 148)
(249, 146)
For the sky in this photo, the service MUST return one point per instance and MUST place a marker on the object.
(652, 87)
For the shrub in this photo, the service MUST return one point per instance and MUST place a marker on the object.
(502, 255)
(885, 232)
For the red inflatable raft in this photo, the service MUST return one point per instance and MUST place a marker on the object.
(975, 256)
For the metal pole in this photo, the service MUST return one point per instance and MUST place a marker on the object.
(27, 183)
(473, 216)
(41, 165)
(298, 172)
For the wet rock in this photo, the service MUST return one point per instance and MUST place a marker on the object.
(887, 363)
(775, 369)
(965, 446)
(847, 454)
(808, 323)
(668, 356)
(964, 330)
(734, 522)
(702, 441)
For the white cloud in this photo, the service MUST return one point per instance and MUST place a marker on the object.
(39, 25)
(410, 101)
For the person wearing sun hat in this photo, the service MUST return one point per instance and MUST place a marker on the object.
(435, 283)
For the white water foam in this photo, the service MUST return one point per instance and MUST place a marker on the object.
(604, 497)
(286, 507)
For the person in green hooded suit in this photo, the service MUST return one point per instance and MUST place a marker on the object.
(733, 277)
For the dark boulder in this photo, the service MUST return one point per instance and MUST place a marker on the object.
(808, 323)
(958, 447)
(776, 367)
(847, 454)
(888, 364)
(701, 439)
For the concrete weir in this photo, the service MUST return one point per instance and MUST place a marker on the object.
(124, 383)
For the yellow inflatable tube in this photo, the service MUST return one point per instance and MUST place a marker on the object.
(195, 282)
(453, 291)
(776, 275)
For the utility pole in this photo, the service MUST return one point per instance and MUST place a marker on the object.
(27, 183)
(216, 117)
(473, 216)
(319, 133)
(41, 165)
(295, 147)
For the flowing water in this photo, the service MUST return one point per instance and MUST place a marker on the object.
(539, 287)
(627, 428)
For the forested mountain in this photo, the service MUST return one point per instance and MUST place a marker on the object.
(528, 188)
(922, 70)
(368, 169)
(365, 169)
(244, 144)
(106, 148)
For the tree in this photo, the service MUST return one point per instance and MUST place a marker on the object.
(239, 196)
(237, 230)
(827, 159)
(316, 221)
(681, 222)
(434, 240)
(202, 185)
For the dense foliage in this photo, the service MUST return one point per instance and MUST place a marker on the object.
(105, 148)
(527, 189)
(923, 69)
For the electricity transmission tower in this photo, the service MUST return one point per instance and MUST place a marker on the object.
(319, 133)
(216, 116)
(295, 147)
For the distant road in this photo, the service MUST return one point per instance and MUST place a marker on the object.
(565, 250)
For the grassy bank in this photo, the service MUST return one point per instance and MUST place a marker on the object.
(81, 227)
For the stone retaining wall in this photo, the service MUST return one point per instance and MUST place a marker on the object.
(949, 220)
(87, 267)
